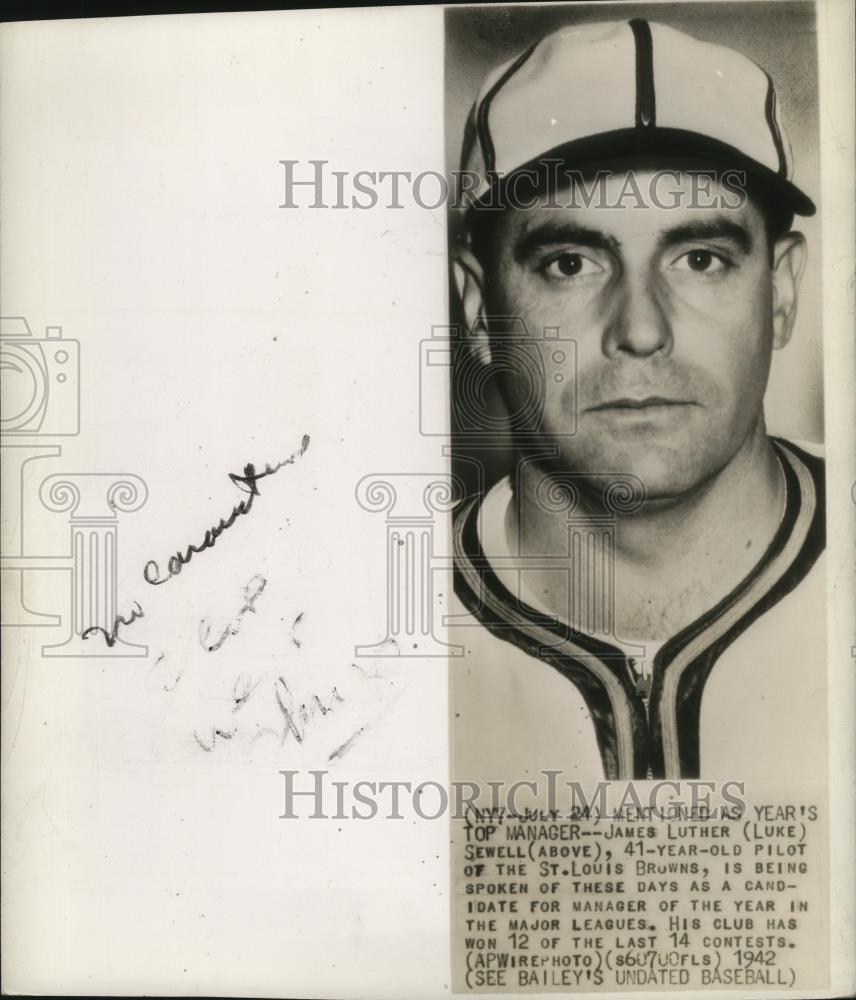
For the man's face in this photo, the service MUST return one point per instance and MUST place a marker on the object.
(674, 315)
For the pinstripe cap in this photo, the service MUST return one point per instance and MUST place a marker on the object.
(629, 88)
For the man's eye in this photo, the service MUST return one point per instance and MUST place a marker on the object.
(570, 265)
(701, 261)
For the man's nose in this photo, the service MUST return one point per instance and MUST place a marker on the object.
(639, 324)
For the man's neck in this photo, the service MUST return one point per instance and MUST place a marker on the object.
(673, 560)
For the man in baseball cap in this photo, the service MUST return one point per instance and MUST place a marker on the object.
(639, 574)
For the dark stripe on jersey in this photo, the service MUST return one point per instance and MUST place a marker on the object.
(694, 677)
(510, 624)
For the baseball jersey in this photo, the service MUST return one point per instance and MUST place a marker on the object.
(740, 693)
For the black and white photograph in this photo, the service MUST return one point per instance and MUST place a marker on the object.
(648, 569)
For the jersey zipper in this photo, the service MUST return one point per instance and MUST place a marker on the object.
(642, 688)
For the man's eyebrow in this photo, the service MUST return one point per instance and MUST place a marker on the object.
(552, 233)
(710, 229)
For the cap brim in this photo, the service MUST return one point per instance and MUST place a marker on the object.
(658, 144)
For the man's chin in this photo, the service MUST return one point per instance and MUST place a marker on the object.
(664, 475)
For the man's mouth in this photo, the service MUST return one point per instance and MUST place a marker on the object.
(649, 402)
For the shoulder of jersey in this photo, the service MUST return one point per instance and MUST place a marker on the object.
(810, 447)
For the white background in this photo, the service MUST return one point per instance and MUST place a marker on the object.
(140, 213)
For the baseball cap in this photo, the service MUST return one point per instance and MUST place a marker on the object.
(629, 88)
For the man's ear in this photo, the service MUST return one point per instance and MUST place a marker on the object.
(469, 278)
(789, 257)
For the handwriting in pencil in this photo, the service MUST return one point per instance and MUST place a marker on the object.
(252, 591)
(296, 717)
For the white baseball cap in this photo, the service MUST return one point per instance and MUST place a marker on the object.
(629, 88)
